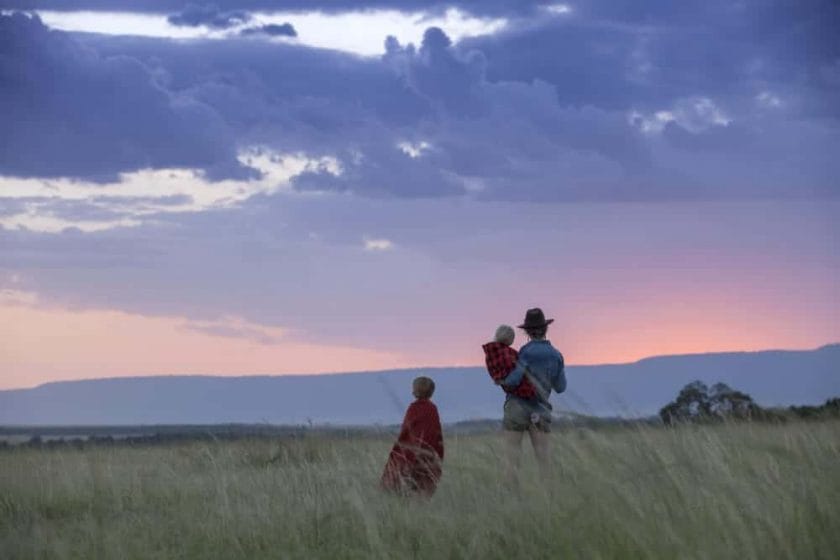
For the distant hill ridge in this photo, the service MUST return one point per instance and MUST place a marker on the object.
(772, 377)
(832, 347)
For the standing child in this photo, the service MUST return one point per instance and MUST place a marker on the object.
(500, 359)
(414, 465)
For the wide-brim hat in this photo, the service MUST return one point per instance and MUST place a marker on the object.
(535, 318)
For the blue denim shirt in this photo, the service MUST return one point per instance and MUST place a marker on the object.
(545, 367)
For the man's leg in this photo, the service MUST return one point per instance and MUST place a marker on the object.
(541, 443)
(513, 452)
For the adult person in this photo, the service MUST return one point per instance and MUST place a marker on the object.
(544, 367)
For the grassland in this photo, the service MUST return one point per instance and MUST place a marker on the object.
(724, 491)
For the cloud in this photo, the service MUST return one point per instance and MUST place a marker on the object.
(317, 29)
(614, 54)
(70, 112)
(271, 30)
(53, 205)
(380, 169)
(768, 100)
(482, 136)
(236, 327)
(414, 149)
(194, 15)
(490, 7)
(603, 103)
(17, 298)
(695, 115)
(378, 244)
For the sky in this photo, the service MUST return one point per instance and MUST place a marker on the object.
(290, 186)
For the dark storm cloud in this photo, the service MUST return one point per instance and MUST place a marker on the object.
(616, 54)
(194, 15)
(609, 102)
(499, 140)
(271, 30)
(490, 7)
(68, 111)
(313, 94)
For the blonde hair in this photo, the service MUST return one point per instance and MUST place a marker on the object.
(423, 387)
(505, 335)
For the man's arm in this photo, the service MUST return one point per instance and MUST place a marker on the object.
(514, 378)
(559, 379)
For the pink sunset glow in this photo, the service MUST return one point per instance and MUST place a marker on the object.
(41, 345)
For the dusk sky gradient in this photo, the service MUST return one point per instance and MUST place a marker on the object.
(268, 187)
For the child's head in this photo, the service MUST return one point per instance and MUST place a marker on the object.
(505, 335)
(423, 387)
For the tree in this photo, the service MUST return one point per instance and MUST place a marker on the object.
(692, 402)
(696, 401)
(726, 402)
(830, 409)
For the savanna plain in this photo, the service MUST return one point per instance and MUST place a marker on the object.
(737, 490)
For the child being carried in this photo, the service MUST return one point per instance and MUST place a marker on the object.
(500, 359)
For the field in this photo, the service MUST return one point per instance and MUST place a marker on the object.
(724, 491)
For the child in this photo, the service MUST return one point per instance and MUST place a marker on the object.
(414, 465)
(501, 360)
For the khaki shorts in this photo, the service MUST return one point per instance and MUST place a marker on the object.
(521, 416)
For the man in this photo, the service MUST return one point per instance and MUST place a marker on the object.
(544, 367)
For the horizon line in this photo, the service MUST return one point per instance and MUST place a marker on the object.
(416, 368)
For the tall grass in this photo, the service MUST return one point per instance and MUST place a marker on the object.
(727, 491)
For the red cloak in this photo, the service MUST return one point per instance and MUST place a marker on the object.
(414, 464)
